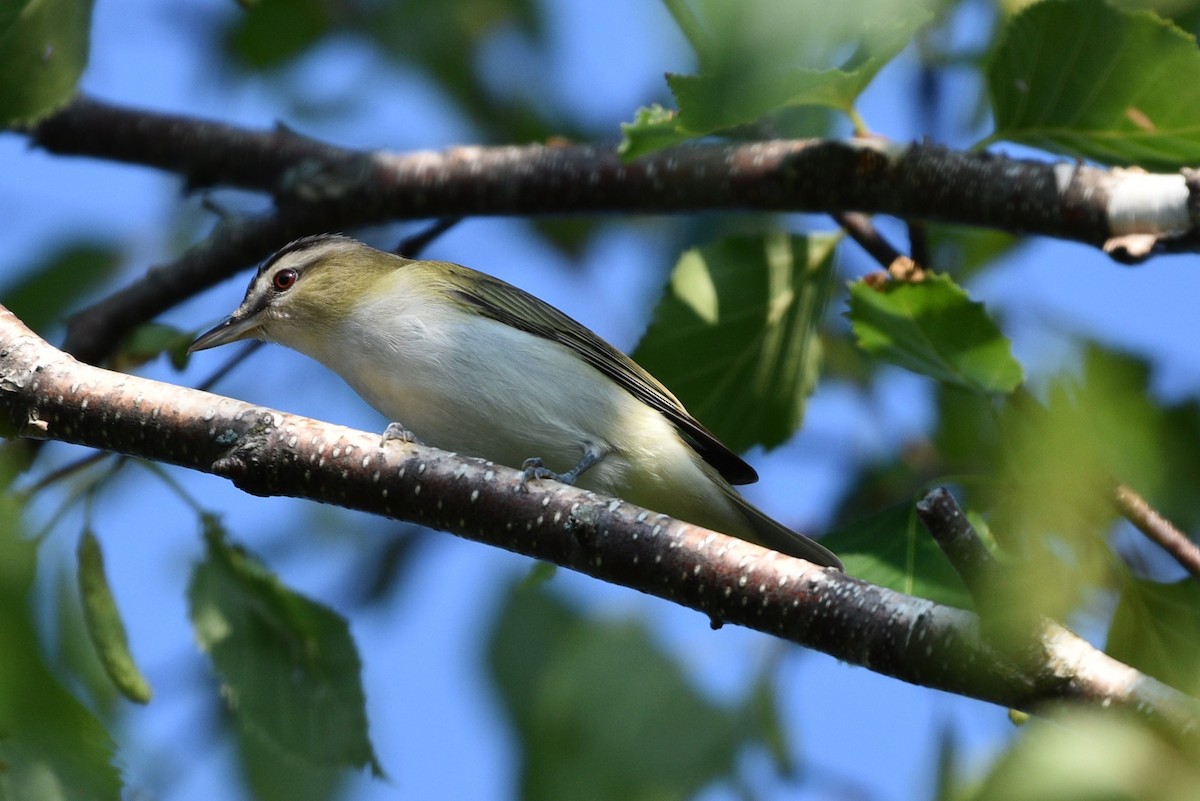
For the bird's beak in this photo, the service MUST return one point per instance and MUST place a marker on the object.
(233, 328)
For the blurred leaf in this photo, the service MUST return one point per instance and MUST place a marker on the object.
(602, 701)
(764, 715)
(51, 746)
(968, 430)
(43, 50)
(760, 55)
(384, 562)
(1156, 629)
(734, 337)
(1051, 502)
(949, 759)
(272, 775)
(907, 473)
(1085, 79)
(288, 667)
(1084, 754)
(445, 41)
(893, 550)
(933, 328)
(47, 290)
(75, 652)
(843, 360)
(1180, 458)
(653, 128)
(964, 252)
(570, 235)
(150, 340)
(272, 32)
(104, 623)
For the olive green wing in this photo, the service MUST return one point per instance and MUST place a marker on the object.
(512, 306)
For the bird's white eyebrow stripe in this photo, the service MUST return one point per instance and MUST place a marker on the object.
(304, 244)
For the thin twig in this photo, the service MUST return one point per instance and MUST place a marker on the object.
(414, 245)
(1138, 511)
(918, 243)
(227, 367)
(863, 231)
(68, 469)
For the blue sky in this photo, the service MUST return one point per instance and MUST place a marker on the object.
(436, 726)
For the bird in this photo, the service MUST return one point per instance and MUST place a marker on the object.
(465, 362)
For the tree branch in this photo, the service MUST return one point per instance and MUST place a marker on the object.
(946, 522)
(1131, 213)
(320, 187)
(1138, 511)
(95, 332)
(47, 394)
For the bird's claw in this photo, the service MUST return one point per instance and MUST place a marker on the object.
(534, 469)
(396, 431)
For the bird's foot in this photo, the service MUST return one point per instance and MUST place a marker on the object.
(535, 470)
(396, 431)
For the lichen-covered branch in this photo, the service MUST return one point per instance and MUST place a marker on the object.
(46, 394)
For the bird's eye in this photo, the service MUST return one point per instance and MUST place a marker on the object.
(284, 280)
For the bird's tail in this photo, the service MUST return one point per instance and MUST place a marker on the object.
(772, 534)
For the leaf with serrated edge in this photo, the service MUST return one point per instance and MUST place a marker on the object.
(288, 666)
(933, 328)
(1086, 79)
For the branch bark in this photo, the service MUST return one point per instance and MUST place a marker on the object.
(915, 182)
(46, 394)
(320, 187)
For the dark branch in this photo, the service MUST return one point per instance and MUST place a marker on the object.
(946, 522)
(94, 333)
(914, 182)
(863, 231)
(46, 394)
(320, 187)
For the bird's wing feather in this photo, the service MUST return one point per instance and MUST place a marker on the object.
(513, 306)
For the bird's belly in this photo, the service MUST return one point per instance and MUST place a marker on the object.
(501, 394)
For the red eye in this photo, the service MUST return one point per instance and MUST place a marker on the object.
(284, 280)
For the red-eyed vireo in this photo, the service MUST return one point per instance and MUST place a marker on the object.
(468, 363)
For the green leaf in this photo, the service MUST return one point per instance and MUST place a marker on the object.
(1156, 629)
(757, 56)
(1086, 79)
(49, 288)
(51, 746)
(963, 252)
(288, 666)
(1050, 502)
(933, 328)
(708, 104)
(735, 335)
(43, 50)
(653, 128)
(273, 776)
(600, 700)
(1090, 754)
(273, 32)
(104, 623)
(893, 550)
(149, 341)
